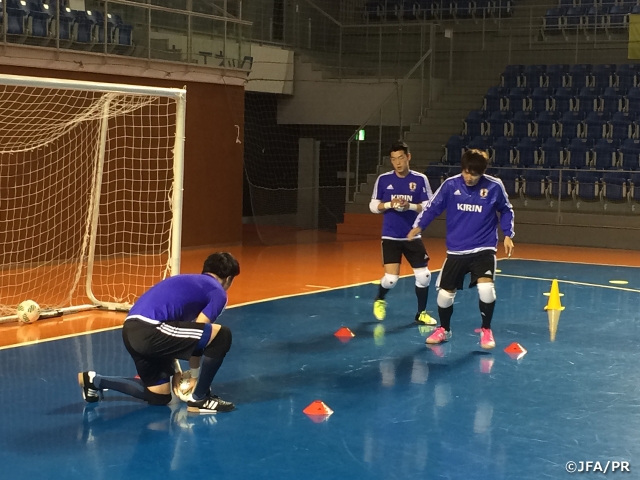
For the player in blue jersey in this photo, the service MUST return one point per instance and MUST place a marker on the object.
(400, 195)
(173, 320)
(475, 203)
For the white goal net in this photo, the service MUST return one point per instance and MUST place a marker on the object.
(90, 191)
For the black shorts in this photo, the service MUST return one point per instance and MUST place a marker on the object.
(154, 347)
(413, 251)
(455, 267)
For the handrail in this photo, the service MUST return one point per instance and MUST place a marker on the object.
(181, 12)
(324, 13)
(378, 110)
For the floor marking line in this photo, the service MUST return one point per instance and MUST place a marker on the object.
(523, 277)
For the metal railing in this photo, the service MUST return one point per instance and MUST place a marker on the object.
(154, 32)
(426, 98)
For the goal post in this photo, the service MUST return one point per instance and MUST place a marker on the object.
(91, 180)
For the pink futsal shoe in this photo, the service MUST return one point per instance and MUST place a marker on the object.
(486, 339)
(439, 336)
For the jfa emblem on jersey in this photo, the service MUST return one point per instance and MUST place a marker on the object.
(413, 186)
(484, 192)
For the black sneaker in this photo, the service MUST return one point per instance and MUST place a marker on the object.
(89, 391)
(210, 404)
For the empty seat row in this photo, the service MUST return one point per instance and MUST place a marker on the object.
(593, 125)
(587, 99)
(617, 186)
(577, 76)
(37, 18)
(561, 20)
(376, 10)
(595, 3)
(552, 152)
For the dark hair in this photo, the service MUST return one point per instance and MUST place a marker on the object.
(475, 161)
(399, 146)
(221, 264)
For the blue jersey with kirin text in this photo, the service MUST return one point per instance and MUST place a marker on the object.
(181, 298)
(414, 188)
(472, 213)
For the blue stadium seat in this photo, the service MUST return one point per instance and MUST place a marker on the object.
(484, 8)
(626, 77)
(604, 154)
(556, 76)
(633, 101)
(602, 76)
(621, 126)
(615, 186)
(517, 100)
(553, 21)
(611, 100)
(578, 154)
(551, 153)
(595, 19)
(497, 125)
(562, 99)
(569, 124)
(39, 18)
(579, 76)
(474, 123)
(454, 148)
(534, 183)
(595, 125)
(560, 181)
(446, 8)
(629, 154)
(587, 185)
(521, 125)
(540, 99)
(502, 8)
(480, 143)
(544, 124)
(634, 187)
(436, 173)
(123, 33)
(511, 77)
(17, 14)
(586, 100)
(510, 178)
(428, 9)
(575, 19)
(618, 18)
(373, 10)
(502, 152)
(532, 76)
(527, 152)
(464, 8)
(492, 99)
(85, 26)
(100, 27)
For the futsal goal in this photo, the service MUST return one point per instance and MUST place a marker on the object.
(90, 192)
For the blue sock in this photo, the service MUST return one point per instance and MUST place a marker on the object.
(129, 386)
(208, 370)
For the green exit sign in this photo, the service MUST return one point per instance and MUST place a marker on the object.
(360, 135)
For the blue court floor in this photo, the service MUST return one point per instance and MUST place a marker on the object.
(401, 410)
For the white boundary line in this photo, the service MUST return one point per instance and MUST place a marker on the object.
(571, 282)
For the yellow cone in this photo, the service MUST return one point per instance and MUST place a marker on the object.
(553, 308)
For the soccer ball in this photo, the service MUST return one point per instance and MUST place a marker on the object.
(182, 386)
(28, 311)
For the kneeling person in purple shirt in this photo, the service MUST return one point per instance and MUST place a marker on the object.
(475, 203)
(173, 320)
